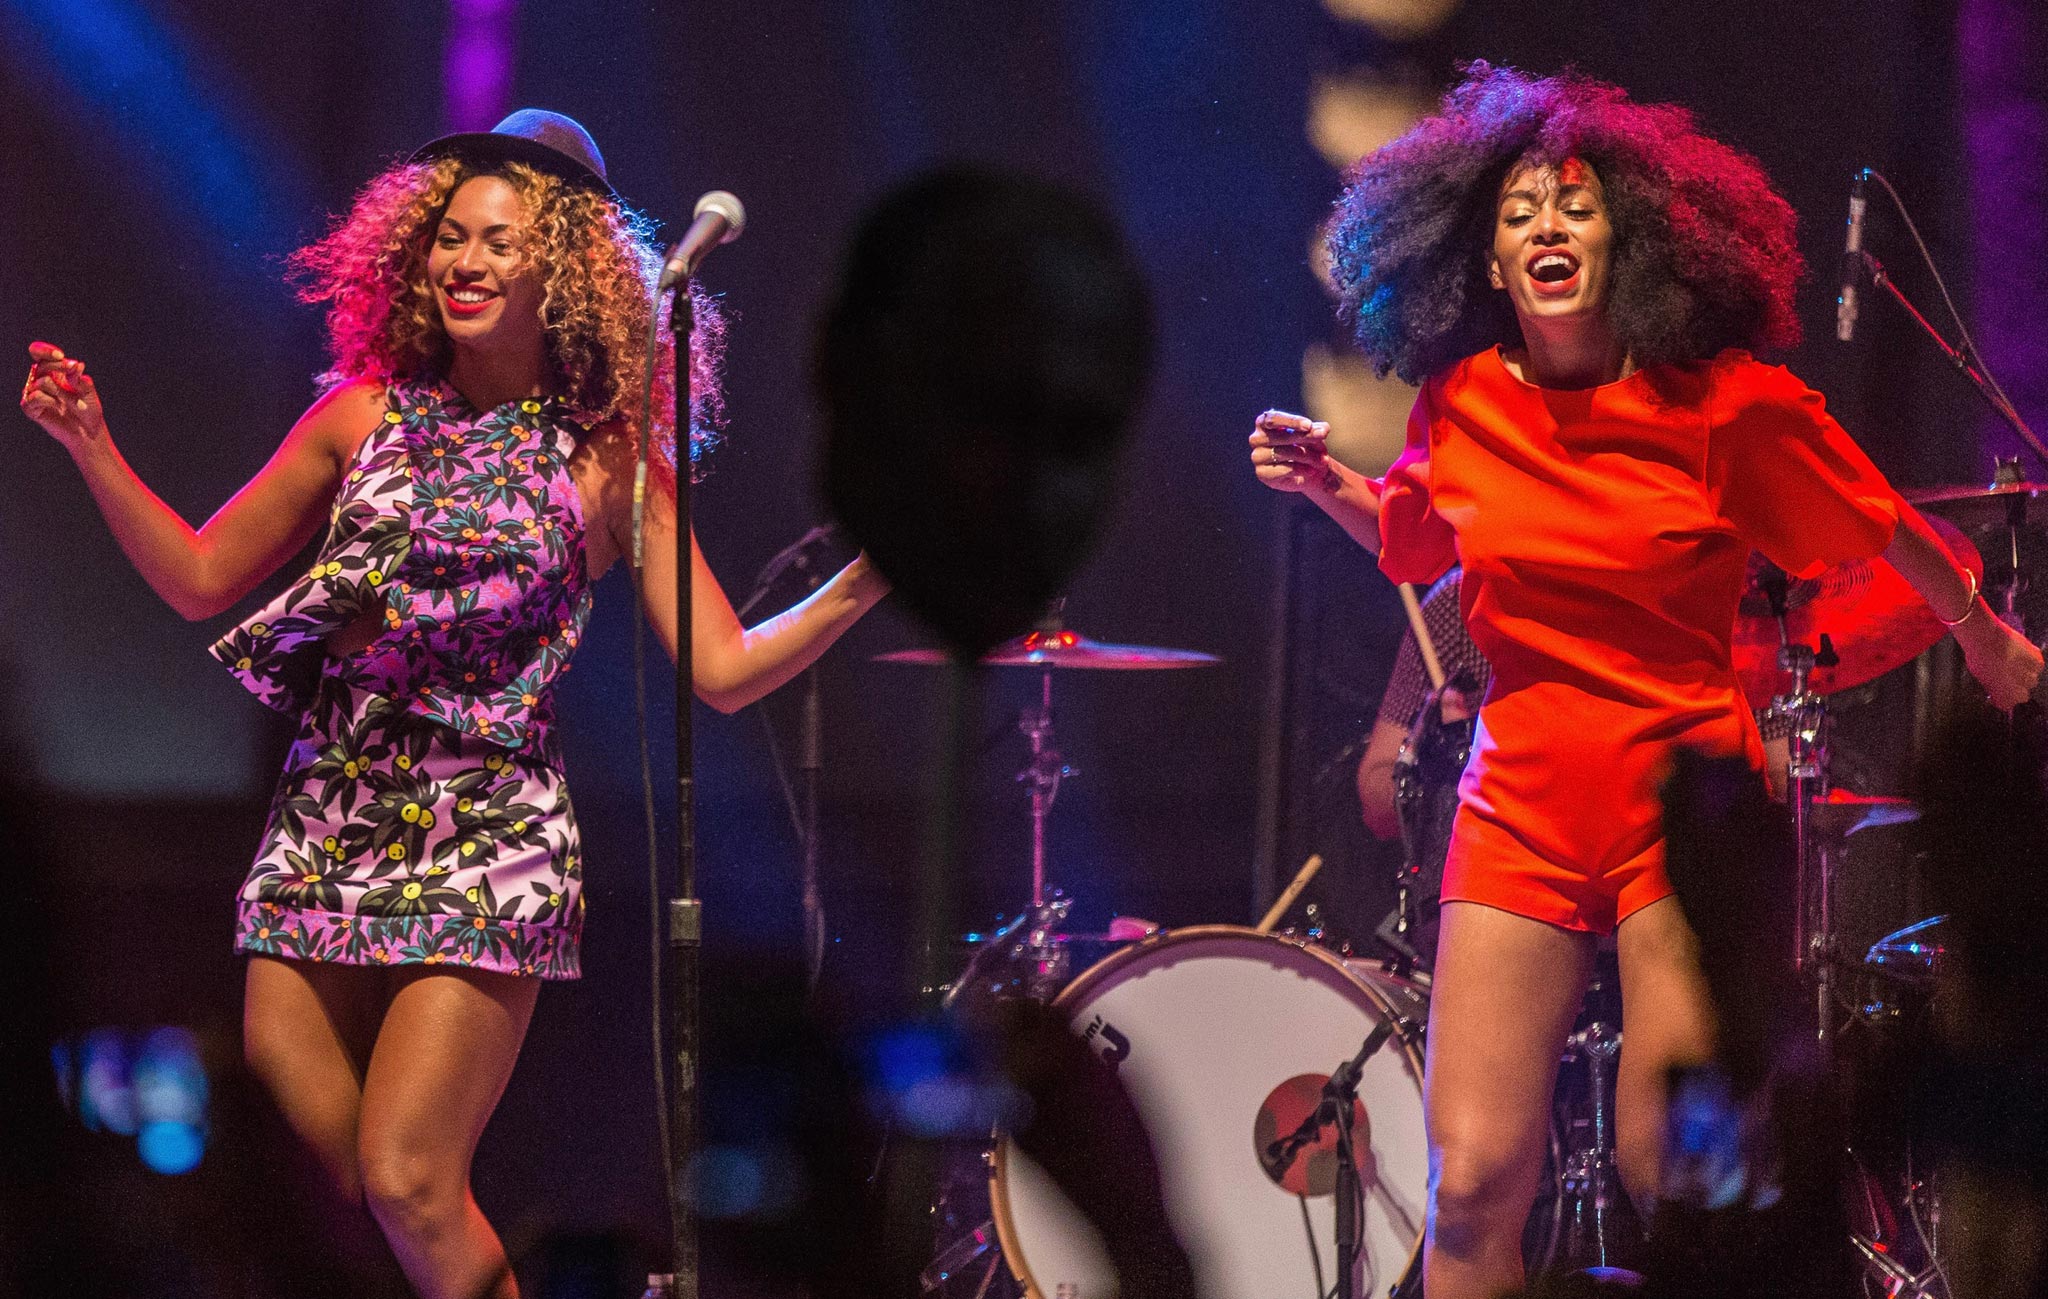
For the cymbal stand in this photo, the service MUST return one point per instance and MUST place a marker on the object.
(1817, 947)
(2011, 583)
(1589, 1175)
(1814, 941)
(1043, 775)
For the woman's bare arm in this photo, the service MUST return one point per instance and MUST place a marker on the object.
(730, 666)
(202, 571)
(2004, 662)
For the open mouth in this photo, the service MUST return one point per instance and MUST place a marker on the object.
(1553, 268)
(467, 299)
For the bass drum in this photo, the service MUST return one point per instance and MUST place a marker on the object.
(1223, 1037)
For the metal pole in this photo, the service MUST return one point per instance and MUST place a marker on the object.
(812, 766)
(686, 911)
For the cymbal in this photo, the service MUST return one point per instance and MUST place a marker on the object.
(1843, 812)
(1872, 616)
(1975, 508)
(1065, 649)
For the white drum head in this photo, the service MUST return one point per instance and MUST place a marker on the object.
(1214, 1025)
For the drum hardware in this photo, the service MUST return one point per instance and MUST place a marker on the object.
(1589, 1173)
(1862, 618)
(1219, 1030)
(950, 1260)
(1997, 517)
(1899, 1281)
(1913, 955)
(1026, 957)
(1902, 968)
(1877, 626)
(1312, 916)
(1426, 773)
(1339, 1110)
(1042, 775)
(1876, 630)
(1053, 646)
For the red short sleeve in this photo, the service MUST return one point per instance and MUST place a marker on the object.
(1787, 477)
(1416, 545)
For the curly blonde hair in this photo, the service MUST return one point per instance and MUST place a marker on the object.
(598, 264)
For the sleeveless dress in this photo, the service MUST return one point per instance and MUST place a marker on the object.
(1603, 534)
(422, 816)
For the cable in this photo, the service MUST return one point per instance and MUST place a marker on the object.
(636, 568)
(775, 758)
(1929, 1246)
(1315, 1255)
(1969, 347)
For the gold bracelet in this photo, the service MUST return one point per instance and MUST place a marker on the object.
(1968, 609)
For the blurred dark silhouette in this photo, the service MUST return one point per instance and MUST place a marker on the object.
(979, 367)
(41, 1215)
(1979, 1085)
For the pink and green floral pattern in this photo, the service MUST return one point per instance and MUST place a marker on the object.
(395, 840)
(422, 816)
(467, 529)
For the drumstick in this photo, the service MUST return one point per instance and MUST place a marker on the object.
(1430, 662)
(1285, 900)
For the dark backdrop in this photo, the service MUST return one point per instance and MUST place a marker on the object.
(161, 157)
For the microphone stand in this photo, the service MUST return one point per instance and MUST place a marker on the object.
(685, 910)
(1338, 1107)
(810, 754)
(1957, 357)
(811, 764)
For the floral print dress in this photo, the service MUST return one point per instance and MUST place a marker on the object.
(422, 816)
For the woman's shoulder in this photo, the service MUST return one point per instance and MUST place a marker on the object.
(346, 413)
(1740, 380)
(1752, 401)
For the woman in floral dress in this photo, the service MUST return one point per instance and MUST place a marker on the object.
(472, 461)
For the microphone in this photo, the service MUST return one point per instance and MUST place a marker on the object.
(720, 219)
(1852, 259)
(800, 556)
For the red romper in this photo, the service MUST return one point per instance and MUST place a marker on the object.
(1604, 534)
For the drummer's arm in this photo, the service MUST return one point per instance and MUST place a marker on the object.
(1376, 779)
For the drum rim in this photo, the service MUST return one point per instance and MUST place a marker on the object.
(998, 1197)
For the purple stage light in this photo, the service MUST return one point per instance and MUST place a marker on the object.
(477, 69)
(2004, 98)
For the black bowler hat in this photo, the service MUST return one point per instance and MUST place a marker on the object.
(553, 142)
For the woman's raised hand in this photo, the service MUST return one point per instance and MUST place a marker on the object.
(59, 395)
(1288, 452)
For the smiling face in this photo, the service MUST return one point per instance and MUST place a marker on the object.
(1552, 244)
(488, 292)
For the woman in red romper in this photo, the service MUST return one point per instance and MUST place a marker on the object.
(1577, 283)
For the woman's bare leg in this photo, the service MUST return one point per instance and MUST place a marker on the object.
(307, 1030)
(1668, 1021)
(443, 1057)
(1505, 993)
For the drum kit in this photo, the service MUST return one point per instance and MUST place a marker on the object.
(1290, 1157)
